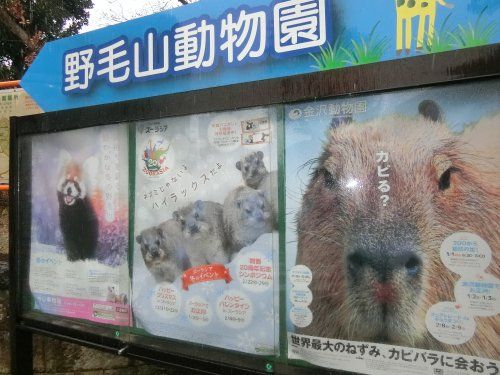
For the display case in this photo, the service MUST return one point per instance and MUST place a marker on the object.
(337, 220)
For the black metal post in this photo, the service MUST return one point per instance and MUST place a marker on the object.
(21, 341)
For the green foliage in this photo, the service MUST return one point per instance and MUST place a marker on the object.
(368, 50)
(440, 41)
(330, 57)
(475, 35)
(37, 22)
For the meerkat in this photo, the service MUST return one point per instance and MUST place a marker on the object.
(247, 215)
(114, 297)
(203, 232)
(162, 251)
(256, 176)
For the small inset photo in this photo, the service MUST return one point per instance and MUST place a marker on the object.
(255, 131)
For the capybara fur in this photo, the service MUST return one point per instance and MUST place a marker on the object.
(377, 269)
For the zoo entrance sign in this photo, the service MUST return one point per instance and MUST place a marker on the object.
(209, 44)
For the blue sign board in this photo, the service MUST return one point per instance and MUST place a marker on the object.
(211, 43)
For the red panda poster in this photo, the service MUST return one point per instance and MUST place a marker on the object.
(79, 224)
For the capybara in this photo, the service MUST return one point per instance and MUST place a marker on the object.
(203, 232)
(377, 268)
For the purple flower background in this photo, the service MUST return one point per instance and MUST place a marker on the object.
(81, 144)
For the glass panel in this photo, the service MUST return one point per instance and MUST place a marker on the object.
(78, 261)
(205, 264)
(393, 237)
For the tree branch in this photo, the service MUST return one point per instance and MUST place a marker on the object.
(184, 2)
(15, 29)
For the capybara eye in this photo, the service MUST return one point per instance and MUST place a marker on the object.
(445, 179)
(413, 266)
(355, 262)
(328, 178)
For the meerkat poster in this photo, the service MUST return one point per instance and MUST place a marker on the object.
(392, 231)
(79, 224)
(205, 257)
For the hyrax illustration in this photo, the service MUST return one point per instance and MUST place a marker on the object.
(77, 218)
(247, 215)
(203, 232)
(377, 269)
(256, 176)
(162, 250)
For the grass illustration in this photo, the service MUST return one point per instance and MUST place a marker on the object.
(440, 41)
(330, 57)
(364, 51)
(368, 50)
(474, 35)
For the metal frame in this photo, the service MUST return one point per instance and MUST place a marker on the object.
(454, 66)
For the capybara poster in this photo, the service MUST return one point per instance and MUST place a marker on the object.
(393, 230)
(205, 236)
(79, 224)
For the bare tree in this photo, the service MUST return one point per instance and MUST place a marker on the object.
(118, 13)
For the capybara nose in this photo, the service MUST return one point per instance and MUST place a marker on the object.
(385, 261)
(155, 253)
(384, 292)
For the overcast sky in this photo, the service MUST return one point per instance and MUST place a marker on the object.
(106, 12)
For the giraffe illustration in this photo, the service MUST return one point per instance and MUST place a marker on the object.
(406, 10)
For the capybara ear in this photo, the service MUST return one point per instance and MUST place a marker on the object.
(175, 215)
(238, 165)
(139, 239)
(339, 120)
(260, 155)
(430, 110)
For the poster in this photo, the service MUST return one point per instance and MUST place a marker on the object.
(13, 102)
(392, 231)
(79, 224)
(206, 242)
